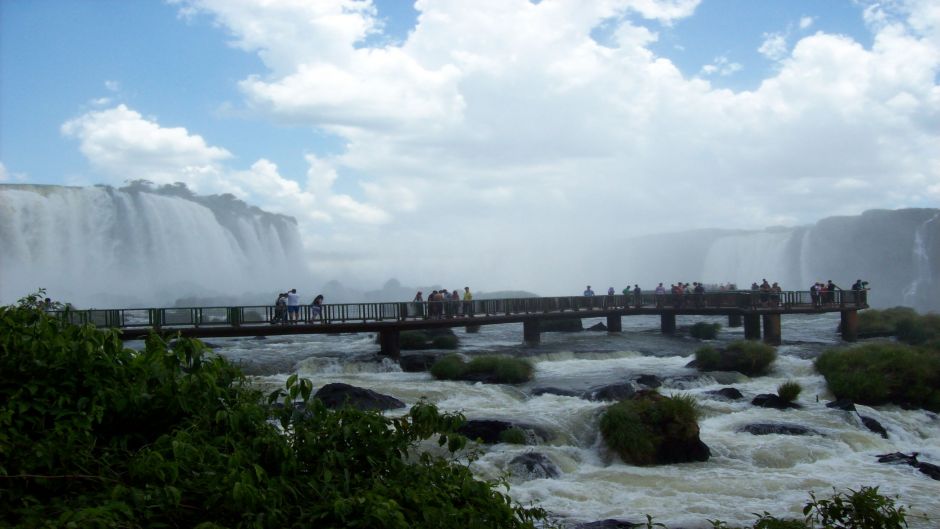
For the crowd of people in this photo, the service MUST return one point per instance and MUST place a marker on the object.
(287, 308)
(441, 303)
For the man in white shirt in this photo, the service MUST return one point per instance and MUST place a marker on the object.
(293, 305)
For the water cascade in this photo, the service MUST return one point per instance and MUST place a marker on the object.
(99, 246)
(918, 291)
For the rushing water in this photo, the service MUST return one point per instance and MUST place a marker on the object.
(746, 473)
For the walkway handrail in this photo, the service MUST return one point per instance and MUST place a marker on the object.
(739, 300)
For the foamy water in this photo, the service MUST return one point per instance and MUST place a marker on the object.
(746, 473)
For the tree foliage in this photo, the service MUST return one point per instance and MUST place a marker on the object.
(93, 434)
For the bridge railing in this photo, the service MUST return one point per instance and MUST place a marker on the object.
(400, 311)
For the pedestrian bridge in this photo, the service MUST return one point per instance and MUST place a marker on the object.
(756, 311)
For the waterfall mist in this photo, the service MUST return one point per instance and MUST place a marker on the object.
(135, 246)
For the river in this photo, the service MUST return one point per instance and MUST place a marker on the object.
(746, 473)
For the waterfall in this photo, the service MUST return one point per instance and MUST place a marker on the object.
(748, 257)
(99, 246)
(916, 294)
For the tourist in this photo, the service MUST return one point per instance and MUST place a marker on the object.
(610, 291)
(660, 295)
(637, 296)
(776, 292)
(293, 305)
(467, 302)
(455, 302)
(280, 309)
(588, 292)
(814, 294)
(831, 291)
(316, 308)
(765, 293)
(418, 297)
(699, 292)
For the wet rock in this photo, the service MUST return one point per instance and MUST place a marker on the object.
(930, 469)
(489, 431)
(414, 363)
(650, 381)
(897, 458)
(610, 523)
(597, 327)
(561, 325)
(874, 426)
(338, 394)
(533, 465)
(776, 428)
(842, 404)
(771, 400)
(611, 392)
(555, 391)
(682, 451)
(728, 393)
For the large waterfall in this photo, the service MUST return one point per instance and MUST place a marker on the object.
(896, 251)
(103, 247)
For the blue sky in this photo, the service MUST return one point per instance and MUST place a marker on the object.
(363, 119)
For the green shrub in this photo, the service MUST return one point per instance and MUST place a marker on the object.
(883, 373)
(789, 390)
(903, 322)
(412, 340)
(444, 342)
(704, 331)
(637, 429)
(495, 369)
(96, 435)
(428, 339)
(512, 435)
(883, 322)
(748, 357)
(861, 509)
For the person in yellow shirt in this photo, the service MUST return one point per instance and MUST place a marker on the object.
(467, 302)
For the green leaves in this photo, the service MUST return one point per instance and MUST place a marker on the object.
(93, 434)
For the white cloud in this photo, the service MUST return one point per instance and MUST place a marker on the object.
(806, 22)
(721, 66)
(501, 128)
(112, 86)
(774, 46)
(124, 145)
(7, 176)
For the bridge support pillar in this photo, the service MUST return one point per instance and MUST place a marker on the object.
(849, 325)
(531, 332)
(614, 323)
(390, 340)
(667, 323)
(771, 328)
(472, 329)
(752, 327)
(734, 320)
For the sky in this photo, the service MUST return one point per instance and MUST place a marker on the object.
(497, 142)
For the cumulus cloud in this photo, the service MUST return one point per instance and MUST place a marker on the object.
(500, 128)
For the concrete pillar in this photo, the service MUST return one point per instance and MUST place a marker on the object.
(530, 332)
(752, 327)
(771, 329)
(390, 341)
(734, 320)
(472, 329)
(849, 325)
(667, 322)
(614, 323)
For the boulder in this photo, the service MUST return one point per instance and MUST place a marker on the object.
(337, 394)
(611, 392)
(489, 431)
(771, 400)
(897, 458)
(609, 523)
(682, 451)
(555, 391)
(776, 428)
(533, 465)
(650, 381)
(728, 393)
(561, 325)
(930, 469)
(874, 426)
(842, 404)
(414, 363)
(598, 327)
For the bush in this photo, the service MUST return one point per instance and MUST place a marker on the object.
(428, 339)
(883, 322)
(704, 331)
(883, 373)
(96, 435)
(494, 369)
(789, 390)
(748, 357)
(512, 435)
(641, 428)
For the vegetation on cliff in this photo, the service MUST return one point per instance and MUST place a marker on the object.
(704, 330)
(492, 369)
(651, 429)
(748, 357)
(903, 322)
